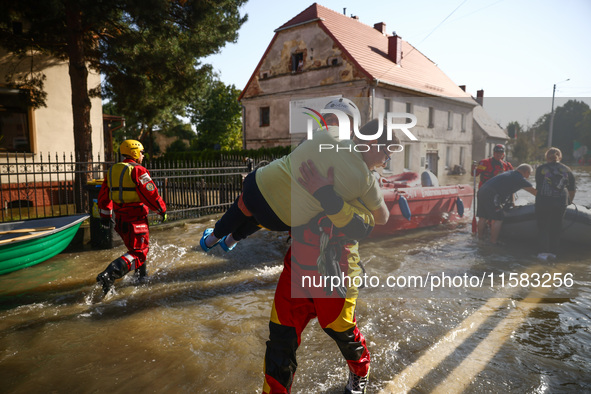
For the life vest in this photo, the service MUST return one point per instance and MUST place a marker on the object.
(489, 168)
(121, 186)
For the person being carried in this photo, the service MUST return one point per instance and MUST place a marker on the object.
(497, 192)
(492, 166)
(270, 194)
(555, 184)
(326, 249)
(130, 192)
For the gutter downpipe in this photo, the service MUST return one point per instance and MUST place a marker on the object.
(243, 126)
(373, 98)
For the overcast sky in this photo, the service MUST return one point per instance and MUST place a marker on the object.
(508, 48)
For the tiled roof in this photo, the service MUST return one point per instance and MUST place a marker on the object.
(368, 49)
(490, 127)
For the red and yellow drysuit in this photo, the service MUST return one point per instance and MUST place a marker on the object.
(491, 167)
(130, 192)
(296, 304)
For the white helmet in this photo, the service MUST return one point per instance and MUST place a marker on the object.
(345, 105)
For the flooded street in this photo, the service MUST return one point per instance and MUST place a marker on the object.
(200, 322)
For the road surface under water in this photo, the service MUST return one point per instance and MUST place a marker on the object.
(201, 321)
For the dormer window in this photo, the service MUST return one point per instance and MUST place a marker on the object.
(297, 63)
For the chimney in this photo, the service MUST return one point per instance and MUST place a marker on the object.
(480, 96)
(463, 87)
(381, 27)
(395, 48)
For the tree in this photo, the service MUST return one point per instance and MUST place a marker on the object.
(148, 50)
(565, 121)
(583, 130)
(513, 129)
(218, 118)
(522, 149)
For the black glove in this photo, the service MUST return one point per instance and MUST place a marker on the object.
(163, 217)
(106, 223)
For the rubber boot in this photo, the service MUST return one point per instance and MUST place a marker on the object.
(141, 274)
(117, 269)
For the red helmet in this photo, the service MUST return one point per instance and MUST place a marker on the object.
(499, 148)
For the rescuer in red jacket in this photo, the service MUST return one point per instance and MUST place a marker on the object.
(130, 193)
(492, 166)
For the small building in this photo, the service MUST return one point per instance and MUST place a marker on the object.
(487, 132)
(321, 53)
(40, 140)
(46, 129)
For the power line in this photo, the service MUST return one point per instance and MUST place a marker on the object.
(432, 31)
(436, 27)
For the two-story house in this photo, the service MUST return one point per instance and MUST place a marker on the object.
(49, 128)
(41, 136)
(322, 53)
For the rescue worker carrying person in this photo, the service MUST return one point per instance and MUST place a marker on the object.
(130, 193)
(323, 250)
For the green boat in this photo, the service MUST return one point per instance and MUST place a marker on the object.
(30, 242)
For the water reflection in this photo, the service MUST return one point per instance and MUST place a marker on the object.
(200, 322)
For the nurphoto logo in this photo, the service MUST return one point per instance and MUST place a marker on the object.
(346, 132)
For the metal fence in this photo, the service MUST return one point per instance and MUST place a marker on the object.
(35, 186)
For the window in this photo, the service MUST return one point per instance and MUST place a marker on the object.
(15, 130)
(386, 105)
(407, 156)
(450, 120)
(462, 154)
(409, 108)
(264, 116)
(431, 117)
(463, 121)
(297, 62)
(332, 61)
(448, 157)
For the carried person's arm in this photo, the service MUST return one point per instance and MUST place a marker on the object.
(352, 218)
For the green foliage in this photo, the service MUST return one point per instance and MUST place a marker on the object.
(572, 122)
(583, 130)
(148, 52)
(218, 118)
(522, 149)
(513, 129)
(565, 131)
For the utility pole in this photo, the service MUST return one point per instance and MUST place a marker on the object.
(552, 114)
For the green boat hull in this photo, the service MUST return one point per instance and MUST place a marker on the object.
(22, 254)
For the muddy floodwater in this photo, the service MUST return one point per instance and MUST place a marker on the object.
(200, 322)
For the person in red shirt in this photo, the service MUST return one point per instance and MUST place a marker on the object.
(130, 193)
(492, 166)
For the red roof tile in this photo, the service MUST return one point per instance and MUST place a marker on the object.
(368, 48)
